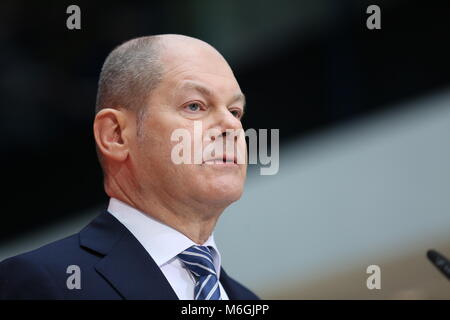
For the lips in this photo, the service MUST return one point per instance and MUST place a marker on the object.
(223, 160)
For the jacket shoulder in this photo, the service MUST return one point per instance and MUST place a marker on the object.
(30, 275)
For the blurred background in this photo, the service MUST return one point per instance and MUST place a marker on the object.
(364, 120)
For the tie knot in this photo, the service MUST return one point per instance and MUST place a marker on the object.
(199, 260)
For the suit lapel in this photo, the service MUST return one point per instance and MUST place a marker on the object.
(227, 284)
(126, 265)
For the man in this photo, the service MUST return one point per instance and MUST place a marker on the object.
(155, 240)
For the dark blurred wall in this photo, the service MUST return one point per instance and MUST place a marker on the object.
(304, 66)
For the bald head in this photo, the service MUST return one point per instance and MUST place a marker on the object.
(129, 74)
(134, 69)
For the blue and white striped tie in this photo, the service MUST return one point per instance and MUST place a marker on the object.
(199, 260)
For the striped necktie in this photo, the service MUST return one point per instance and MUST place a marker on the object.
(199, 261)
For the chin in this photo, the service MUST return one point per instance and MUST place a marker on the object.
(222, 193)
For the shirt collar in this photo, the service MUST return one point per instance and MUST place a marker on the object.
(161, 241)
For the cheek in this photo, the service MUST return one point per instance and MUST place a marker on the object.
(160, 138)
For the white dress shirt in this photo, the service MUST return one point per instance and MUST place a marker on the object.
(163, 244)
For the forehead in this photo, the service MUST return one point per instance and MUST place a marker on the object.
(202, 71)
(234, 94)
(188, 77)
(195, 67)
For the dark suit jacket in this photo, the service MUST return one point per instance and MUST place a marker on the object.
(113, 265)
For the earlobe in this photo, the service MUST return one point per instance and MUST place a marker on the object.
(109, 126)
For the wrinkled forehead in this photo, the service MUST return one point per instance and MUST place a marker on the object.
(202, 77)
(194, 65)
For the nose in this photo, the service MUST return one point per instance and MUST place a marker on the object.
(224, 120)
(230, 129)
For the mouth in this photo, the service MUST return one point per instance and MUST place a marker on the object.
(224, 161)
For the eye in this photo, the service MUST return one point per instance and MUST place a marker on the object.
(193, 107)
(236, 113)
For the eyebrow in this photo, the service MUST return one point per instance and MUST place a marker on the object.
(190, 84)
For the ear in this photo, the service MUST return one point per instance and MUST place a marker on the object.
(112, 132)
